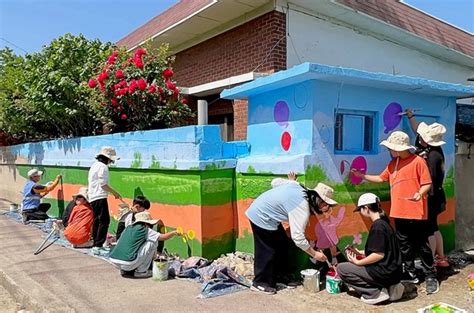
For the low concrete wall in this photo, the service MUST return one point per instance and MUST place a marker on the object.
(465, 197)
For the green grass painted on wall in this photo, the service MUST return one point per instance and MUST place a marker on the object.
(161, 186)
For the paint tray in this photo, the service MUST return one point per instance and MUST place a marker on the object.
(441, 307)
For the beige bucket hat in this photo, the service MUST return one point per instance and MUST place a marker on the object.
(108, 152)
(397, 141)
(83, 191)
(144, 217)
(432, 134)
(34, 172)
(326, 193)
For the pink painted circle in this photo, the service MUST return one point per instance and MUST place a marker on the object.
(286, 141)
(342, 167)
(359, 163)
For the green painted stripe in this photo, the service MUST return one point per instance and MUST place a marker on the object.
(174, 187)
(215, 247)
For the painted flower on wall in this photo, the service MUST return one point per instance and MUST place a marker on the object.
(357, 239)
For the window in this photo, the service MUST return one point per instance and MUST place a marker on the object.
(354, 132)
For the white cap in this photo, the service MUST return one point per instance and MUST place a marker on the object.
(366, 199)
(34, 172)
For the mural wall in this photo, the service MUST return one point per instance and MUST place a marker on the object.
(323, 126)
(316, 120)
(187, 173)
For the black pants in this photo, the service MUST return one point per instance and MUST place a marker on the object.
(101, 221)
(270, 255)
(39, 213)
(413, 236)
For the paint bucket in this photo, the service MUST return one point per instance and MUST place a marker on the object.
(160, 270)
(333, 283)
(310, 280)
(13, 207)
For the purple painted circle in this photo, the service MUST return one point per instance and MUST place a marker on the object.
(391, 117)
(281, 113)
(359, 163)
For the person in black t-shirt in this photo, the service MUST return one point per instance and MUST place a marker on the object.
(374, 273)
(428, 143)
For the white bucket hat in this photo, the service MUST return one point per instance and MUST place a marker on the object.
(34, 172)
(397, 141)
(144, 217)
(82, 192)
(326, 193)
(432, 134)
(108, 152)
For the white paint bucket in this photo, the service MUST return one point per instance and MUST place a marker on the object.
(310, 280)
(13, 207)
(160, 270)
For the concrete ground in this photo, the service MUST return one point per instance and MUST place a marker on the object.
(7, 303)
(63, 280)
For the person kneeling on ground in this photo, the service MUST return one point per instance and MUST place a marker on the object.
(136, 249)
(380, 266)
(127, 214)
(32, 208)
(79, 226)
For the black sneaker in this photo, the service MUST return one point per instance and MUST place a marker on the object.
(24, 218)
(264, 289)
(408, 277)
(127, 274)
(432, 285)
(288, 282)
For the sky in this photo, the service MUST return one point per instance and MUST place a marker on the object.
(27, 25)
(457, 12)
(31, 24)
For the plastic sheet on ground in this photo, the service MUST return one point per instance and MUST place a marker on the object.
(216, 280)
(47, 227)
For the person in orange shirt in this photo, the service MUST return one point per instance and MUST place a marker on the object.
(410, 181)
(79, 227)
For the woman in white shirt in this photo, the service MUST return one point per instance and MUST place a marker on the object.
(98, 192)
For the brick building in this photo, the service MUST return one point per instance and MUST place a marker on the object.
(222, 43)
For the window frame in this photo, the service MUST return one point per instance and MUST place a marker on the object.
(365, 113)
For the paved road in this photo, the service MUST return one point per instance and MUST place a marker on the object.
(65, 280)
(7, 303)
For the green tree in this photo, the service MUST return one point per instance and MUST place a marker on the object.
(44, 95)
(12, 104)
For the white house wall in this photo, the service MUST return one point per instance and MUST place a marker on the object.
(313, 39)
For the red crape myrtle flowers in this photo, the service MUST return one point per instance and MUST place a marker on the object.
(135, 91)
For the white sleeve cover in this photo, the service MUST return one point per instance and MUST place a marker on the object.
(276, 182)
(298, 219)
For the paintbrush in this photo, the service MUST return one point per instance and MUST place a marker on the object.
(414, 110)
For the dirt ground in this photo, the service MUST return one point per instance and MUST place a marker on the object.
(66, 280)
(454, 290)
(7, 303)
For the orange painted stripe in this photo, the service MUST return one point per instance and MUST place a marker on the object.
(207, 221)
(353, 223)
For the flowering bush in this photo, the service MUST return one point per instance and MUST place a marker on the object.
(135, 91)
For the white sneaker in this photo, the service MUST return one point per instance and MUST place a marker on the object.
(396, 292)
(383, 296)
(146, 274)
